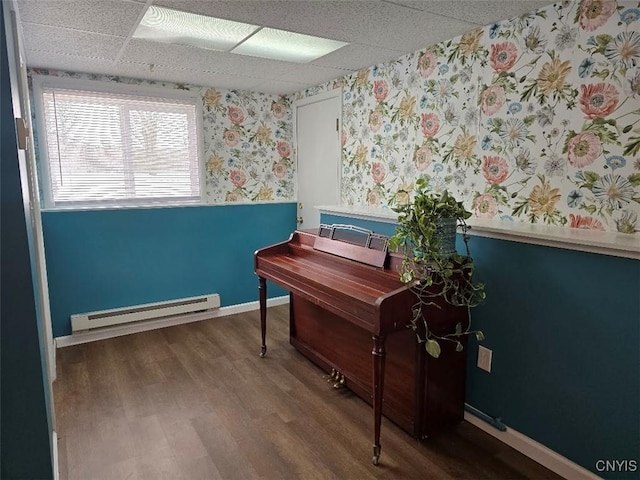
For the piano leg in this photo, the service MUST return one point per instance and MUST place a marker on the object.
(378, 355)
(262, 291)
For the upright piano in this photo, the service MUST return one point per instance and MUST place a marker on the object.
(349, 313)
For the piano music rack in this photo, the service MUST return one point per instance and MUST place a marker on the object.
(355, 243)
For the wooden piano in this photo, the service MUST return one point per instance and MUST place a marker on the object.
(349, 314)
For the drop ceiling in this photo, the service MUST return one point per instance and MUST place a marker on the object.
(96, 36)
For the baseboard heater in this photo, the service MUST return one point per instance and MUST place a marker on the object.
(104, 318)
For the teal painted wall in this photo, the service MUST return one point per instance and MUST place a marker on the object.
(101, 259)
(564, 327)
(25, 434)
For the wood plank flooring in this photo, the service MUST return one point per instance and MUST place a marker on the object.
(195, 401)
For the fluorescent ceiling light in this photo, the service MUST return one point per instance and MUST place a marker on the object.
(287, 46)
(172, 26)
(165, 25)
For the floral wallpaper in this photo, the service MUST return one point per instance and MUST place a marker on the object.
(248, 147)
(533, 119)
(247, 140)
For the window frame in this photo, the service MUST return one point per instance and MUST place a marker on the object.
(41, 82)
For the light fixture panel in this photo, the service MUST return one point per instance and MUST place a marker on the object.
(165, 25)
(287, 46)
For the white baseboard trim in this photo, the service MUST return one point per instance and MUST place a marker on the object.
(54, 451)
(118, 331)
(534, 450)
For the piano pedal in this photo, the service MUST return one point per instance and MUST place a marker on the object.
(340, 381)
(333, 376)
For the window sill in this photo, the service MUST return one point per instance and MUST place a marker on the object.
(157, 205)
(604, 243)
(141, 206)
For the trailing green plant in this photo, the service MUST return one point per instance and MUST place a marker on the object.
(432, 269)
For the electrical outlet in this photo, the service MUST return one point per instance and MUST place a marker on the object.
(484, 358)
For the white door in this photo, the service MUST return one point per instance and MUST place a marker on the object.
(318, 126)
(22, 110)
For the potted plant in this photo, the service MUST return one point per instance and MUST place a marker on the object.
(426, 235)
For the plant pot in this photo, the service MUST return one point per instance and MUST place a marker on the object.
(445, 236)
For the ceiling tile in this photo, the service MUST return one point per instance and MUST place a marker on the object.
(355, 57)
(113, 17)
(141, 70)
(310, 74)
(70, 63)
(200, 59)
(181, 56)
(279, 87)
(72, 42)
(232, 82)
(482, 12)
(250, 66)
(193, 77)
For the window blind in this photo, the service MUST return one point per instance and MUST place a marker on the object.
(109, 148)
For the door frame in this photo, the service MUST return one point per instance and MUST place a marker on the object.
(334, 93)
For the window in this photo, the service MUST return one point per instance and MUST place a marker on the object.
(106, 149)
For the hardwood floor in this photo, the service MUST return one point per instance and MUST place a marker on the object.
(195, 401)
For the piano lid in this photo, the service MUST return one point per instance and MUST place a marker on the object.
(354, 243)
